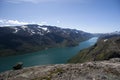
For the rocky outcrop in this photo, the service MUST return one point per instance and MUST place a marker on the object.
(99, 70)
(18, 66)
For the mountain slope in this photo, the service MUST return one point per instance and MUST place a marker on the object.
(106, 47)
(29, 38)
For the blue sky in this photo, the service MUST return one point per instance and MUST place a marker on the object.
(94, 16)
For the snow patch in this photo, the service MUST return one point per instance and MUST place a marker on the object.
(76, 31)
(105, 40)
(40, 33)
(48, 31)
(39, 27)
(24, 27)
(39, 30)
(32, 32)
(16, 30)
(43, 28)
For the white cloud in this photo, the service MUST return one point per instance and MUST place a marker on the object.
(16, 22)
(4, 22)
(1, 21)
(12, 22)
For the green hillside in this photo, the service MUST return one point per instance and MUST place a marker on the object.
(104, 49)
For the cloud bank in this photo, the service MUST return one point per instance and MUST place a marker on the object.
(12, 22)
(4, 22)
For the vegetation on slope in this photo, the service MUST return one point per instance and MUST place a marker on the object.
(104, 49)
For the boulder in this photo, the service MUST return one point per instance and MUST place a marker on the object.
(115, 60)
(18, 66)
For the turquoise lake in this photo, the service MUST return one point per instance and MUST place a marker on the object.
(45, 57)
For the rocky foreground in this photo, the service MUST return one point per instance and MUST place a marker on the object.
(100, 70)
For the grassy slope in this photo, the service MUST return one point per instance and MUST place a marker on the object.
(102, 50)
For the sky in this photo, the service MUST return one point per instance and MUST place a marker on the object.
(95, 16)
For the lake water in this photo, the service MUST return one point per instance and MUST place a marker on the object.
(49, 56)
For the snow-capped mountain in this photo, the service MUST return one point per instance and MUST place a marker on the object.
(33, 37)
(30, 29)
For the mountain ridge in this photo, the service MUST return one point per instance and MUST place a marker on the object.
(107, 46)
(29, 38)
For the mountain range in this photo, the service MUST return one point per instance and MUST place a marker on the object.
(32, 37)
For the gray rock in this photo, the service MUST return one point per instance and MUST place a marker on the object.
(18, 66)
(115, 60)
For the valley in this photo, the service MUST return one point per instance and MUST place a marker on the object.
(45, 57)
(15, 40)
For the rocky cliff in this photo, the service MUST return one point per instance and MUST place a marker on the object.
(99, 70)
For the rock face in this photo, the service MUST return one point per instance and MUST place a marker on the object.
(29, 38)
(18, 66)
(107, 47)
(99, 70)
